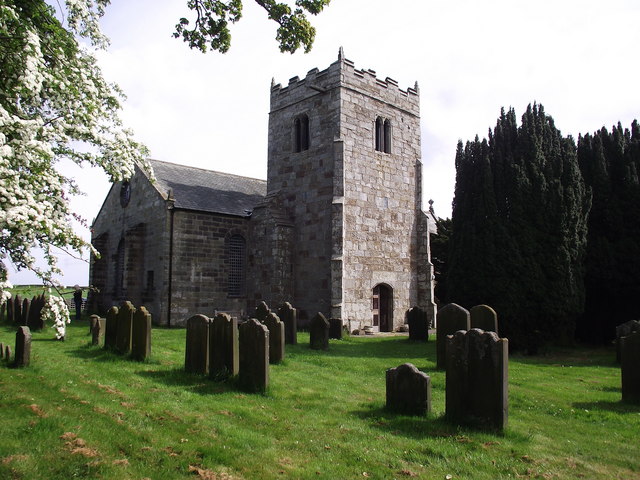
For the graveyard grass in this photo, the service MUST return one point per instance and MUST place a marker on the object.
(81, 412)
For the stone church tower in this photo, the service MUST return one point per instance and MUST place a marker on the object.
(342, 230)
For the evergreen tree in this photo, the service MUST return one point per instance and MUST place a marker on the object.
(440, 258)
(610, 163)
(519, 228)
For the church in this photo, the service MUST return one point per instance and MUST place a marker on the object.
(337, 227)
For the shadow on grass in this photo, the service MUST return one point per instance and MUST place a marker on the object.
(417, 427)
(617, 407)
(201, 384)
(100, 354)
(376, 347)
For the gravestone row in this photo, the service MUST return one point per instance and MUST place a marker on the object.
(286, 314)
(127, 331)
(25, 312)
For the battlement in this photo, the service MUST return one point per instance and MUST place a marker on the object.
(342, 73)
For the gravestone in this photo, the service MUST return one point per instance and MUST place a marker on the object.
(477, 378)
(17, 310)
(125, 323)
(450, 319)
(288, 315)
(623, 330)
(418, 324)
(111, 328)
(224, 358)
(254, 356)
(26, 304)
(92, 321)
(484, 317)
(141, 334)
(7, 353)
(98, 330)
(276, 338)
(10, 320)
(34, 321)
(196, 356)
(23, 347)
(630, 363)
(408, 390)
(261, 312)
(319, 332)
(1, 350)
(335, 328)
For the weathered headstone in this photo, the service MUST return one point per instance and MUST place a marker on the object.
(23, 347)
(319, 332)
(17, 310)
(630, 363)
(224, 357)
(484, 317)
(408, 390)
(34, 321)
(288, 315)
(3, 311)
(10, 311)
(623, 330)
(254, 356)
(125, 323)
(7, 353)
(141, 334)
(335, 328)
(451, 318)
(477, 378)
(26, 304)
(196, 357)
(92, 321)
(276, 338)
(1, 350)
(261, 312)
(418, 324)
(98, 330)
(111, 328)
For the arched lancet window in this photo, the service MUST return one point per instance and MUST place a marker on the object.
(236, 257)
(119, 277)
(383, 135)
(301, 132)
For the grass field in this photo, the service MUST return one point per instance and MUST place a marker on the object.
(81, 412)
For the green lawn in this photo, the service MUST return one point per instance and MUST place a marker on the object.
(81, 412)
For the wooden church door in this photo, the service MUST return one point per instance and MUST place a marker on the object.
(383, 307)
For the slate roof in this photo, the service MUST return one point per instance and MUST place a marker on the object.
(208, 191)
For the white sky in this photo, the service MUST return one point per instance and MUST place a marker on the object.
(576, 57)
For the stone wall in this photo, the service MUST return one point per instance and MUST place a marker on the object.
(143, 226)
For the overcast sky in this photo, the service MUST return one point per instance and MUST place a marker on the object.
(578, 58)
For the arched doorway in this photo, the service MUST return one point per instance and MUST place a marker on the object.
(383, 307)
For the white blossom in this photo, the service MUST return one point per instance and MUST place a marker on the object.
(55, 311)
(55, 105)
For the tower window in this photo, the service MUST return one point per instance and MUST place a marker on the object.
(383, 135)
(301, 132)
(236, 253)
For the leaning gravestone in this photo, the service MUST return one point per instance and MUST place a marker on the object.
(141, 334)
(484, 317)
(319, 332)
(408, 390)
(276, 338)
(261, 312)
(111, 328)
(630, 360)
(335, 328)
(97, 331)
(254, 356)
(125, 323)
(23, 347)
(477, 378)
(288, 315)
(223, 346)
(450, 319)
(418, 324)
(196, 356)
(623, 330)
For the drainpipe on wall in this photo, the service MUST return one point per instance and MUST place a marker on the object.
(170, 204)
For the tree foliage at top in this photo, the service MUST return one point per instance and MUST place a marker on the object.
(211, 25)
(610, 165)
(54, 105)
(519, 228)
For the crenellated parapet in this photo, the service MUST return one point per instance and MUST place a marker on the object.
(343, 73)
